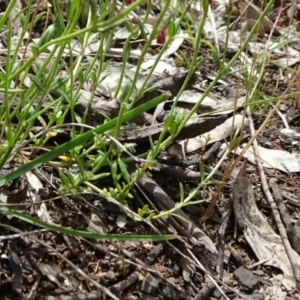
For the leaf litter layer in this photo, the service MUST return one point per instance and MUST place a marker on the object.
(125, 124)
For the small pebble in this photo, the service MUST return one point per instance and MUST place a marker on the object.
(247, 280)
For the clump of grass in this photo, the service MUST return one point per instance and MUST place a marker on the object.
(52, 69)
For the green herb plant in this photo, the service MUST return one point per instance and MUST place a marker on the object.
(50, 99)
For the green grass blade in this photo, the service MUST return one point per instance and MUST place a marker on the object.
(86, 234)
(79, 140)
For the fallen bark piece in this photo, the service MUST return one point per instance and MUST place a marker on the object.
(277, 159)
(292, 226)
(265, 243)
(217, 133)
(191, 129)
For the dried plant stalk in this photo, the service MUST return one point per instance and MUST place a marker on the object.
(297, 99)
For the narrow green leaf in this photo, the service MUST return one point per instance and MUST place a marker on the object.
(124, 170)
(85, 13)
(36, 81)
(38, 17)
(57, 83)
(171, 29)
(93, 38)
(60, 120)
(93, 11)
(51, 117)
(28, 109)
(63, 177)
(119, 18)
(205, 6)
(168, 121)
(71, 178)
(126, 89)
(126, 51)
(112, 192)
(129, 26)
(234, 143)
(100, 176)
(213, 52)
(23, 21)
(181, 191)
(47, 36)
(7, 12)
(86, 234)
(114, 169)
(71, 9)
(181, 218)
(9, 135)
(142, 30)
(35, 49)
(59, 26)
(80, 167)
(202, 171)
(173, 128)
(184, 58)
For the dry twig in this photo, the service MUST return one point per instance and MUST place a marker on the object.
(280, 226)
